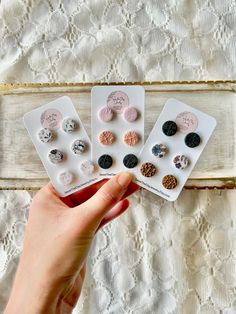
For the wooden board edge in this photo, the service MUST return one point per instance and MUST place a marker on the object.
(227, 85)
(192, 184)
(35, 184)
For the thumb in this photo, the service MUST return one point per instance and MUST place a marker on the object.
(105, 198)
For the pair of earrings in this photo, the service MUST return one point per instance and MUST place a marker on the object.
(66, 177)
(180, 161)
(148, 170)
(56, 156)
(106, 114)
(191, 140)
(106, 137)
(129, 161)
(68, 125)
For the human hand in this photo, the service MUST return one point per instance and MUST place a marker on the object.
(57, 241)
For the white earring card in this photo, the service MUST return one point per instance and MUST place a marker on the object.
(62, 144)
(173, 148)
(117, 114)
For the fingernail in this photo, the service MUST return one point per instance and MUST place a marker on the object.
(124, 179)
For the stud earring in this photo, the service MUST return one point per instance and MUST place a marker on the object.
(130, 161)
(159, 150)
(169, 128)
(181, 161)
(148, 169)
(192, 140)
(130, 114)
(105, 114)
(45, 135)
(105, 161)
(131, 138)
(55, 156)
(69, 125)
(169, 182)
(106, 138)
(66, 178)
(87, 167)
(78, 146)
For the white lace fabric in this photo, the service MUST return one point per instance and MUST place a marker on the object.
(127, 40)
(159, 257)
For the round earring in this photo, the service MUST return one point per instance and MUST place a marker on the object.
(169, 128)
(130, 114)
(45, 135)
(55, 156)
(169, 182)
(148, 169)
(181, 161)
(87, 167)
(130, 161)
(192, 140)
(106, 137)
(69, 125)
(65, 178)
(131, 138)
(105, 161)
(159, 150)
(78, 146)
(105, 114)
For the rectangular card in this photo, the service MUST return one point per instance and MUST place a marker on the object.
(173, 148)
(117, 115)
(62, 144)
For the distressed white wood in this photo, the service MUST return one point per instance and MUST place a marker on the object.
(20, 165)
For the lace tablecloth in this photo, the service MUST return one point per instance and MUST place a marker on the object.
(159, 257)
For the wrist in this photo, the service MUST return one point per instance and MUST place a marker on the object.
(30, 296)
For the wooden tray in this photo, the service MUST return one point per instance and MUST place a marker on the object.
(21, 168)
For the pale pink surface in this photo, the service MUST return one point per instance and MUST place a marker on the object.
(130, 114)
(105, 114)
